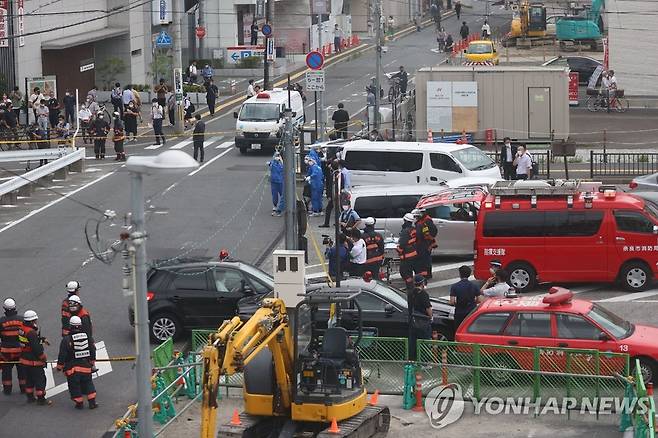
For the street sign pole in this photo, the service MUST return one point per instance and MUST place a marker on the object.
(178, 64)
(315, 104)
(266, 64)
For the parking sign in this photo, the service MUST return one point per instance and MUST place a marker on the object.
(315, 80)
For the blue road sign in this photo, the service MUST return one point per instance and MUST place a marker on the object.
(267, 30)
(163, 40)
(235, 56)
(314, 60)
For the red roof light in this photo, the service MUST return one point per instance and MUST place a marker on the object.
(557, 296)
(632, 184)
(263, 95)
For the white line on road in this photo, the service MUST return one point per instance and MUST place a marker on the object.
(103, 367)
(181, 145)
(170, 187)
(154, 146)
(194, 172)
(226, 144)
(629, 297)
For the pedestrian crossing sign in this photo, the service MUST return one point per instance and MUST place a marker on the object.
(163, 40)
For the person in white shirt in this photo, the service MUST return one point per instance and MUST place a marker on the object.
(250, 89)
(496, 286)
(35, 100)
(126, 97)
(523, 163)
(609, 85)
(357, 253)
(157, 114)
(486, 30)
(193, 73)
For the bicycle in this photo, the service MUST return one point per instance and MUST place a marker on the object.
(599, 102)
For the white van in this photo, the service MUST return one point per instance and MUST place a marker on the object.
(399, 162)
(260, 120)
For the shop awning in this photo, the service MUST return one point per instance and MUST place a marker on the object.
(83, 38)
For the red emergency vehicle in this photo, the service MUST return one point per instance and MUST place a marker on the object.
(558, 320)
(567, 232)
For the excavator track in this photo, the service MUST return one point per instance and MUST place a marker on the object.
(372, 422)
(250, 426)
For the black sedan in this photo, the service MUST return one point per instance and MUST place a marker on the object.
(584, 65)
(384, 309)
(198, 293)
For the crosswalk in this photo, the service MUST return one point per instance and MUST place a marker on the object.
(216, 142)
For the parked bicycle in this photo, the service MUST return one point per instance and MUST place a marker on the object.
(598, 101)
(394, 88)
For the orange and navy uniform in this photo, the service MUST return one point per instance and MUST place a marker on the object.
(66, 313)
(84, 315)
(426, 232)
(408, 253)
(77, 356)
(374, 250)
(33, 359)
(10, 350)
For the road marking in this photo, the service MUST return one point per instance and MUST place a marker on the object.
(226, 144)
(441, 283)
(103, 367)
(629, 297)
(56, 201)
(181, 145)
(194, 172)
(154, 146)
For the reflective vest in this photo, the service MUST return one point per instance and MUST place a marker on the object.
(427, 230)
(10, 326)
(32, 353)
(86, 322)
(374, 247)
(77, 353)
(407, 243)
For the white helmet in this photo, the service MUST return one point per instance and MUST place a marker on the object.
(72, 286)
(9, 304)
(409, 217)
(369, 220)
(75, 299)
(75, 321)
(30, 315)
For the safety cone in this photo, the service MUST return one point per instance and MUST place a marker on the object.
(374, 398)
(235, 420)
(334, 426)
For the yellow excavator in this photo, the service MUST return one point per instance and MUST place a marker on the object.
(299, 376)
(528, 24)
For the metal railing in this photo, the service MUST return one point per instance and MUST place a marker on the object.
(542, 158)
(642, 418)
(621, 164)
(33, 154)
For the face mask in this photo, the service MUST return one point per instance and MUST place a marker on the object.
(68, 94)
(346, 207)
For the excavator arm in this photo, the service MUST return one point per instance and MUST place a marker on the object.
(235, 344)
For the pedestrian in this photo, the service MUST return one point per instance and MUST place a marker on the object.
(523, 163)
(69, 107)
(348, 219)
(496, 286)
(130, 120)
(126, 98)
(63, 130)
(115, 97)
(390, 25)
(341, 118)
(39, 138)
(211, 96)
(43, 116)
(276, 183)
(464, 295)
(426, 232)
(53, 109)
(506, 159)
(407, 251)
(338, 36)
(207, 74)
(16, 103)
(257, 89)
(118, 137)
(315, 179)
(157, 115)
(161, 91)
(10, 347)
(33, 358)
(75, 309)
(371, 27)
(420, 315)
(171, 109)
(250, 89)
(370, 106)
(435, 12)
(404, 80)
(77, 357)
(100, 128)
(374, 246)
(458, 9)
(449, 44)
(486, 30)
(374, 135)
(358, 253)
(10, 122)
(84, 118)
(35, 101)
(343, 254)
(332, 172)
(441, 39)
(93, 94)
(198, 137)
(464, 31)
(254, 33)
(193, 73)
(92, 105)
(345, 176)
(189, 109)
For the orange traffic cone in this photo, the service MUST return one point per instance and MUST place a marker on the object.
(235, 420)
(334, 426)
(374, 398)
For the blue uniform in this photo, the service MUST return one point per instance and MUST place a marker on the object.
(317, 186)
(313, 155)
(276, 182)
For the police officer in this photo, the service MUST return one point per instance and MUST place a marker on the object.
(464, 295)
(426, 232)
(374, 246)
(76, 309)
(10, 346)
(33, 359)
(407, 250)
(77, 355)
(420, 314)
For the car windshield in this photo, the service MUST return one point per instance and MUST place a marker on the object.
(259, 274)
(473, 158)
(394, 296)
(651, 209)
(618, 327)
(260, 112)
(479, 48)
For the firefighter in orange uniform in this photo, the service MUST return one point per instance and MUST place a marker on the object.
(72, 288)
(407, 250)
(75, 309)
(77, 355)
(374, 246)
(426, 233)
(33, 358)
(10, 346)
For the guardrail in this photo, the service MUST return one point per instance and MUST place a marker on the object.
(34, 154)
(620, 164)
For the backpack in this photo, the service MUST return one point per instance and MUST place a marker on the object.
(535, 166)
(116, 95)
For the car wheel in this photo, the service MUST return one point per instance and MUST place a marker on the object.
(522, 277)
(165, 326)
(497, 373)
(243, 150)
(635, 276)
(647, 369)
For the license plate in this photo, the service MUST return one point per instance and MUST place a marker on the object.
(255, 146)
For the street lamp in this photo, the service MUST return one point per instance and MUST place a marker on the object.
(171, 161)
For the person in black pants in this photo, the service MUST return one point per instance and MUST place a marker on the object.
(69, 107)
(464, 295)
(340, 118)
(420, 315)
(329, 189)
(198, 137)
(506, 159)
(211, 96)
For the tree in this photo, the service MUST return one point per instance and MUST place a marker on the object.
(109, 70)
(162, 67)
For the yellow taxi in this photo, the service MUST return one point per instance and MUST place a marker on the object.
(482, 51)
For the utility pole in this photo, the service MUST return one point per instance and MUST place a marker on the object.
(378, 60)
(321, 112)
(200, 24)
(289, 178)
(266, 65)
(179, 8)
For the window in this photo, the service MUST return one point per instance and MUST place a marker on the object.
(404, 161)
(384, 161)
(572, 223)
(514, 224)
(373, 206)
(532, 325)
(370, 302)
(402, 204)
(575, 327)
(227, 279)
(444, 162)
(489, 323)
(618, 327)
(190, 279)
(259, 112)
(633, 222)
(259, 287)
(459, 211)
(473, 158)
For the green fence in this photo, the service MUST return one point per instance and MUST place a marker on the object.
(643, 417)
(162, 356)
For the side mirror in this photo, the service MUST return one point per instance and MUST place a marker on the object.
(235, 114)
(603, 337)
(389, 310)
(655, 229)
